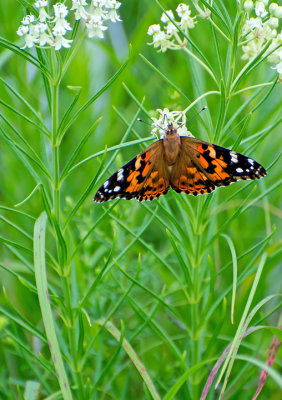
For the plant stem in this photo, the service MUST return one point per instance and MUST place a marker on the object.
(201, 63)
(55, 149)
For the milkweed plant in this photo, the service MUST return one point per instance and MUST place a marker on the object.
(172, 299)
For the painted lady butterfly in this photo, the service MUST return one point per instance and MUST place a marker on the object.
(186, 164)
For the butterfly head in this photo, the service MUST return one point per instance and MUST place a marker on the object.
(171, 129)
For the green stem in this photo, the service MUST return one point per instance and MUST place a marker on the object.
(201, 63)
(55, 148)
(56, 72)
(200, 98)
(195, 306)
(190, 53)
(219, 30)
(72, 337)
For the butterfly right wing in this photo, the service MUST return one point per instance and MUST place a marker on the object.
(220, 165)
(186, 177)
(201, 166)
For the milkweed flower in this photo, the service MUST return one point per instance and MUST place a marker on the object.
(60, 21)
(50, 30)
(79, 7)
(59, 39)
(260, 9)
(261, 30)
(28, 19)
(169, 37)
(95, 26)
(95, 14)
(184, 12)
(165, 118)
(170, 27)
(43, 37)
(43, 15)
(46, 30)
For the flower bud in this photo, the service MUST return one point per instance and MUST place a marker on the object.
(272, 8)
(248, 5)
(260, 9)
(273, 22)
(278, 12)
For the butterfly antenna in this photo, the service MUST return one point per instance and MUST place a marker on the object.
(195, 115)
(147, 123)
(144, 122)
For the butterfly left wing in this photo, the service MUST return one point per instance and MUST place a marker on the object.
(145, 177)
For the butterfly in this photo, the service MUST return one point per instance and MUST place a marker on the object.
(183, 163)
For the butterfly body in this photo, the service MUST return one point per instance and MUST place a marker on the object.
(171, 145)
(183, 163)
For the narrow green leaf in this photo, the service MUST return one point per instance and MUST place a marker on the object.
(85, 194)
(70, 164)
(44, 301)
(263, 366)
(68, 112)
(24, 101)
(133, 356)
(227, 366)
(170, 395)
(235, 268)
(30, 58)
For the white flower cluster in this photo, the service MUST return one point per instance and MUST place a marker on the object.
(166, 117)
(165, 39)
(95, 13)
(261, 29)
(46, 30)
(50, 30)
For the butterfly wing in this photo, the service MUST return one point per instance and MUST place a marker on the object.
(145, 177)
(186, 177)
(202, 166)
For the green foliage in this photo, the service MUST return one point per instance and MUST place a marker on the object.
(135, 300)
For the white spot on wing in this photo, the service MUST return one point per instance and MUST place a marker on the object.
(117, 189)
(239, 170)
(120, 174)
(234, 157)
(106, 184)
(251, 161)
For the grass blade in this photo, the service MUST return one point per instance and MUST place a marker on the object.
(44, 301)
(133, 356)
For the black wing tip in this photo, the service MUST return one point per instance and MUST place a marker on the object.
(259, 172)
(98, 198)
(263, 172)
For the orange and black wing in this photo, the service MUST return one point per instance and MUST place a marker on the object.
(145, 177)
(202, 166)
(186, 177)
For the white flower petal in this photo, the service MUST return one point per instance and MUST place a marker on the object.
(164, 18)
(153, 29)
